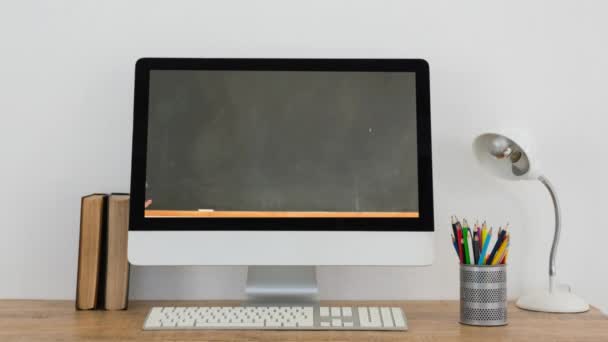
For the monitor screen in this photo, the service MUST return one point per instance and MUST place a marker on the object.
(281, 144)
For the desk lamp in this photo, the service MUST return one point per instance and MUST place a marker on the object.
(506, 159)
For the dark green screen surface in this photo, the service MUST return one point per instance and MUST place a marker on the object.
(282, 141)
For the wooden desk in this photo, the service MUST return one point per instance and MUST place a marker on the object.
(428, 321)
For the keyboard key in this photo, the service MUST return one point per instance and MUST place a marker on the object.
(168, 324)
(347, 311)
(230, 325)
(305, 324)
(155, 314)
(374, 317)
(336, 322)
(363, 316)
(248, 324)
(186, 323)
(387, 320)
(325, 324)
(335, 311)
(348, 324)
(324, 311)
(398, 317)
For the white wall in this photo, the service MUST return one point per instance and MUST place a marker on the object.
(66, 79)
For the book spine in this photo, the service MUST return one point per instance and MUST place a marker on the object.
(89, 250)
(117, 265)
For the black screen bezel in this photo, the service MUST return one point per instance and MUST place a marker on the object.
(425, 221)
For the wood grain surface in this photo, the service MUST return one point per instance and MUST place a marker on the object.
(428, 321)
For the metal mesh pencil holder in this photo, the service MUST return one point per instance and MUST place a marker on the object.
(483, 295)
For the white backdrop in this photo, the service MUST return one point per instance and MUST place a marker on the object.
(66, 79)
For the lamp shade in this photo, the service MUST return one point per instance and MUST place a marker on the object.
(503, 157)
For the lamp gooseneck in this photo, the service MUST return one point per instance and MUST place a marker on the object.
(552, 267)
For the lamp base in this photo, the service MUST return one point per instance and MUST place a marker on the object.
(556, 301)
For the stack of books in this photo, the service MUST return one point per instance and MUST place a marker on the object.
(103, 269)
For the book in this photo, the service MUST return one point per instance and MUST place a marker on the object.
(92, 220)
(116, 263)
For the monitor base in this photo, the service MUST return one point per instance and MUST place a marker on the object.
(282, 284)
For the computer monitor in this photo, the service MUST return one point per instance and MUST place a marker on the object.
(293, 162)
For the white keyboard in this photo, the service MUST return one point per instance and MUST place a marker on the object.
(276, 318)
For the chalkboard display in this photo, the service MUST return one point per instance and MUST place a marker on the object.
(282, 141)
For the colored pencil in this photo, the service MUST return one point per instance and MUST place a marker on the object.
(459, 241)
(454, 228)
(504, 258)
(475, 246)
(486, 244)
(499, 240)
(465, 238)
(471, 249)
(455, 244)
(501, 250)
(484, 233)
(480, 240)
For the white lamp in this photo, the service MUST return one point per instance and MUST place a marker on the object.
(506, 159)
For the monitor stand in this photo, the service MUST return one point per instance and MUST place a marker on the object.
(282, 284)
